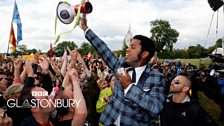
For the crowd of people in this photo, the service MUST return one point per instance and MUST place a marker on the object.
(135, 90)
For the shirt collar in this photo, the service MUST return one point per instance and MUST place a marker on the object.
(187, 99)
(140, 69)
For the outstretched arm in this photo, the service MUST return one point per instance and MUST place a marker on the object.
(100, 46)
(80, 112)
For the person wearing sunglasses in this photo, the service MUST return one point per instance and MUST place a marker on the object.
(180, 110)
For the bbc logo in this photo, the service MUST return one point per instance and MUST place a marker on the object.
(39, 93)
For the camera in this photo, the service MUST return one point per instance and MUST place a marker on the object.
(121, 71)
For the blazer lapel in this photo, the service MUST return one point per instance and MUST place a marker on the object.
(143, 77)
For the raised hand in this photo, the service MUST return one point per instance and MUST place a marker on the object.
(73, 54)
(29, 69)
(83, 24)
(44, 64)
(64, 57)
(17, 64)
(4, 119)
(73, 74)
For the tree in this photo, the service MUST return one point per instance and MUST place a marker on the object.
(163, 35)
(195, 51)
(85, 48)
(180, 53)
(165, 54)
(21, 49)
(217, 44)
(124, 47)
(29, 51)
(59, 49)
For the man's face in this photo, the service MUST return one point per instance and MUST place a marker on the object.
(132, 52)
(45, 105)
(3, 82)
(176, 85)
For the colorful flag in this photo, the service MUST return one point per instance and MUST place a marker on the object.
(16, 19)
(51, 51)
(12, 39)
(128, 36)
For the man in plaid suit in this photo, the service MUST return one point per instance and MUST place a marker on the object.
(134, 103)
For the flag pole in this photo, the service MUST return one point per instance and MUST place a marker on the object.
(10, 30)
(8, 47)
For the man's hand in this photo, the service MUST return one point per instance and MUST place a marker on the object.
(17, 64)
(83, 24)
(73, 74)
(73, 54)
(28, 67)
(64, 55)
(106, 98)
(124, 80)
(79, 57)
(43, 63)
(4, 119)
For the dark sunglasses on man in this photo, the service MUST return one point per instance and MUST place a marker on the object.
(4, 78)
(177, 82)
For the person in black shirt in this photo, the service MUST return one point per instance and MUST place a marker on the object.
(180, 110)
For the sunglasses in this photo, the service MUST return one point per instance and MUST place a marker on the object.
(4, 78)
(176, 82)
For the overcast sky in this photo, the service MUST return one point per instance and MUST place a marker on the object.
(110, 20)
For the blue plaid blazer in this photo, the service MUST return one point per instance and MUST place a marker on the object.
(142, 102)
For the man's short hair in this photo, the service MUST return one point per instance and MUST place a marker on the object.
(187, 81)
(147, 44)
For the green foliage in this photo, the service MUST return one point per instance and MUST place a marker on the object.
(165, 54)
(211, 107)
(22, 50)
(180, 54)
(217, 44)
(163, 34)
(59, 49)
(195, 51)
(124, 47)
(85, 48)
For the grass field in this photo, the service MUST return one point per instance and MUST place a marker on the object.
(212, 108)
(196, 62)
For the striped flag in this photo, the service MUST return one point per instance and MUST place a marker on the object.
(12, 39)
(16, 19)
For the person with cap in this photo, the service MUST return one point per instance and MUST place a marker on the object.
(13, 91)
(11, 96)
